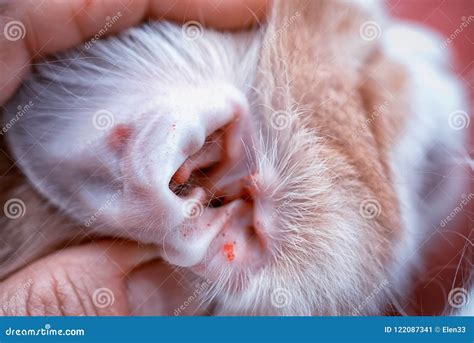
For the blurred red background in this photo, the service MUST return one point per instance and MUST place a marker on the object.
(448, 248)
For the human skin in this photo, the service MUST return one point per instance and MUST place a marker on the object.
(62, 283)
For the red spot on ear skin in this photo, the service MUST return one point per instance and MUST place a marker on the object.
(229, 251)
(118, 136)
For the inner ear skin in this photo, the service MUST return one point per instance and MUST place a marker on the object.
(199, 166)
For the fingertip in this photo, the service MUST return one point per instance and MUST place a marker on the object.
(114, 257)
(55, 26)
(126, 255)
(213, 13)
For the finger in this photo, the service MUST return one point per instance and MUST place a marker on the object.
(84, 280)
(56, 25)
(158, 289)
(230, 14)
(125, 255)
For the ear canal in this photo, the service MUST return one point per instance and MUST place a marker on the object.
(221, 160)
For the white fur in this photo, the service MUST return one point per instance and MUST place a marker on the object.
(434, 94)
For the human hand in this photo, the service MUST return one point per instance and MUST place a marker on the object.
(89, 279)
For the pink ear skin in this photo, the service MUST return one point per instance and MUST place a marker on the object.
(210, 154)
(185, 180)
(119, 137)
(223, 150)
(221, 168)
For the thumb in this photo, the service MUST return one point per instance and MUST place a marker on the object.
(84, 280)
